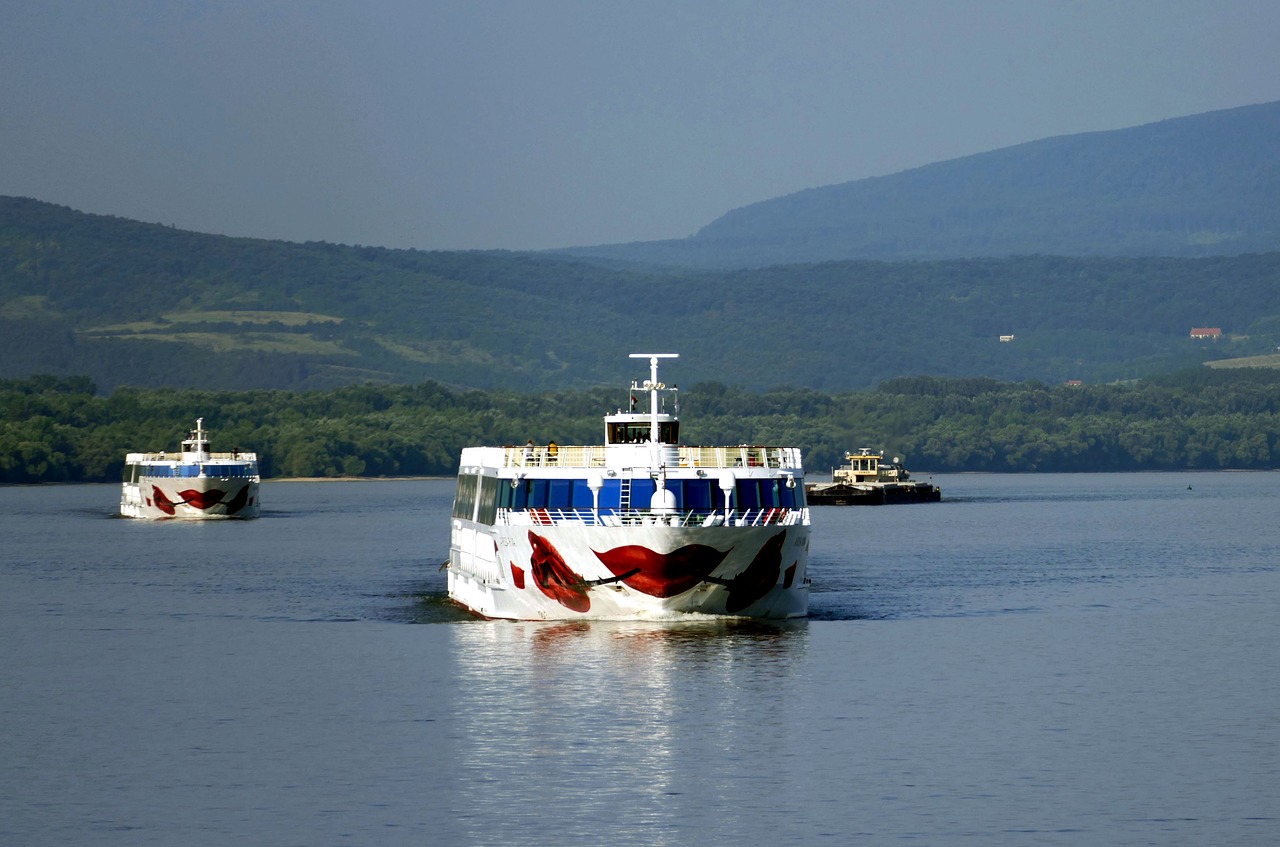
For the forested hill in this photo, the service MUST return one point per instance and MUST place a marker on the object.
(1203, 185)
(129, 303)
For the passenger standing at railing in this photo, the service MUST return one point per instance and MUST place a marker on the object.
(528, 452)
(553, 453)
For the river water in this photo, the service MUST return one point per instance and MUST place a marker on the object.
(1048, 659)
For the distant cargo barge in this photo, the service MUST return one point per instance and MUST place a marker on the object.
(868, 480)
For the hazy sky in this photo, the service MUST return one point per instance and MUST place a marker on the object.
(552, 123)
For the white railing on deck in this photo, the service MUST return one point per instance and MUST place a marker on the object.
(645, 517)
(242, 456)
(543, 456)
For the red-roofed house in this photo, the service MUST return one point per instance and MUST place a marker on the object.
(1206, 332)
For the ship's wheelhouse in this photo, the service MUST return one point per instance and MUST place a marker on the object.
(637, 429)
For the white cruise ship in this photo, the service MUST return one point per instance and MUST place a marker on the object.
(639, 527)
(193, 484)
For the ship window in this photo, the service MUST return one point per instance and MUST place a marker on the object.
(536, 490)
(510, 498)
(560, 494)
(576, 494)
(629, 433)
(582, 498)
(693, 495)
(465, 498)
(489, 493)
(748, 494)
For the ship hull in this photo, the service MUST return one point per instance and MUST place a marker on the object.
(190, 498)
(872, 494)
(577, 571)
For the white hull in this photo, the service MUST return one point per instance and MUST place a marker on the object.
(573, 571)
(194, 484)
(190, 498)
(639, 527)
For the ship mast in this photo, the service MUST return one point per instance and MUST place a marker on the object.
(653, 387)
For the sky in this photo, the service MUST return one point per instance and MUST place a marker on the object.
(499, 124)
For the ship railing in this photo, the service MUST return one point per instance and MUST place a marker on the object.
(162, 456)
(742, 456)
(593, 456)
(653, 517)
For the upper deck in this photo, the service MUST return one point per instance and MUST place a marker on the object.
(235, 457)
(624, 456)
(639, 441)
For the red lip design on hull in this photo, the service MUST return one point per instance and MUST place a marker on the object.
(163, 503)
(202, 499)
(238, 502)
(554, 578)
(759, 576)
(662, 574)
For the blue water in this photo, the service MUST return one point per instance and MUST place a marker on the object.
(1056, 659)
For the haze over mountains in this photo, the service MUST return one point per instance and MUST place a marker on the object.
(1203, 185)
(1097, 252)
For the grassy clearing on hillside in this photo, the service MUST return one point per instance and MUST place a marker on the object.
(245, 316)
(269, 342)
(239, 316)
(1271, 360)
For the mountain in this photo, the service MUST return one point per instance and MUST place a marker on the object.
(1203, 185)
(129, 303)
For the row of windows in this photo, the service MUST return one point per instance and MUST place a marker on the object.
(132, 472)
(638, 432)
(691, 495)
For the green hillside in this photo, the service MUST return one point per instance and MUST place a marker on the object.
(128, 303)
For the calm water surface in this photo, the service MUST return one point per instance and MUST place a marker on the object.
(1083, 659)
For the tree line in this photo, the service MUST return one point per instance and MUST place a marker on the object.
(61, 430)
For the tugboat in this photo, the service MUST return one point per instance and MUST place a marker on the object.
(868, 480)
(193, 484)
(639, 527)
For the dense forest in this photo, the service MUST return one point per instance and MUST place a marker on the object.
(61, 429)
(144, 305)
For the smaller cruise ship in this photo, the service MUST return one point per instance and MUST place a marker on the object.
(193, 484)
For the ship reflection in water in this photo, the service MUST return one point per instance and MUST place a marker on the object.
(610, 714)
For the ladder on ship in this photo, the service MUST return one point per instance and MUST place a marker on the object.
(624, 495)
